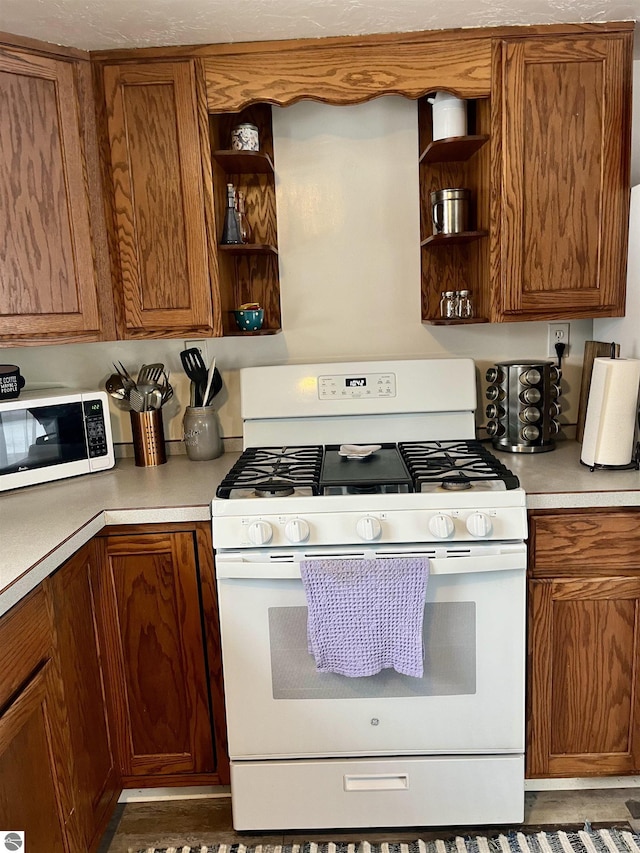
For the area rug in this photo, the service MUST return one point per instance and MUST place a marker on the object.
(584, 841)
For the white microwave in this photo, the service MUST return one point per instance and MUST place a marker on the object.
(52, 434)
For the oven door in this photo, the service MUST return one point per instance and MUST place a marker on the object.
(470, 699)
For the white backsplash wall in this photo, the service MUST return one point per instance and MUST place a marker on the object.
(348, 223)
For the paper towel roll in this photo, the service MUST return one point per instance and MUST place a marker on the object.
(609, 426)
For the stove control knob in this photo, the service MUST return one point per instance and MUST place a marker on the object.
(260, 532)
(441, 525)
(479, 524)
(368, 528)
(296, 530)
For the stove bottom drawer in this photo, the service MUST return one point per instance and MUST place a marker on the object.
(338, 793)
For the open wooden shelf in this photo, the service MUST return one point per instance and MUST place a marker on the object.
(248, 248)
(450, 239)
(238, 333)
(455, 149)
(456, 321)
(244, 162)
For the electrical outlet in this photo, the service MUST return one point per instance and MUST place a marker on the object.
(558, 334)
(200, 344)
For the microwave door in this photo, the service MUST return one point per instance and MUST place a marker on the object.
(40, 437)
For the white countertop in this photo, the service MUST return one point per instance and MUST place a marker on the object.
(41, 526)
(558, 480)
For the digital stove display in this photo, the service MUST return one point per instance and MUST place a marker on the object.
(359, 382)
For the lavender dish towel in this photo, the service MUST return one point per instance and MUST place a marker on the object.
(366, 615)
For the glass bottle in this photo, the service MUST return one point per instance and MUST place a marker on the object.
(449, 304)
(231, 232)
(242, 216)
(465, 308)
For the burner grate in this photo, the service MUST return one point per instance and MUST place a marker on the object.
(454, 464)
(274, 471)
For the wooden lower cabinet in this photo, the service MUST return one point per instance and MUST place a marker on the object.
(160, 627)
(35, 770)
(96, 774)
(584, 635)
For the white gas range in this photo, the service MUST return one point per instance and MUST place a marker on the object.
(316, 749)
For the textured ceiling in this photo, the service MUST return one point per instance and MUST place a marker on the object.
(97, 24)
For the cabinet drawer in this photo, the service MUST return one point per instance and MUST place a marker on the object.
(585, 542)
(25, 641)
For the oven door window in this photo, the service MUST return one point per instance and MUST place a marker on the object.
(41, 436)
(448, 650)
(471, 697)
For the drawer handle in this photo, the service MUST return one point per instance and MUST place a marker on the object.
(377, 782)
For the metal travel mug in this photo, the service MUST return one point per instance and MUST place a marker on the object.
(450, 210)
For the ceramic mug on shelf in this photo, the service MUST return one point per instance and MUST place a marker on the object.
(11, 382)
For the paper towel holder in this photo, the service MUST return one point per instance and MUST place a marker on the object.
(634, 464)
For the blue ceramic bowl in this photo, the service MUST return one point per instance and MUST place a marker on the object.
(249, 320)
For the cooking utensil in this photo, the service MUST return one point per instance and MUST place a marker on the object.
(150, 374)
(115, 387)
(212, 368)
(127, 379)
(216, 387)
(196, 370)
(137, 399)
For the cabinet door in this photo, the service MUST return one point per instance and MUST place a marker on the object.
(48, 283)
(584, 696)
(566, 118)
(162, 199)
(150, 609)
(34, 794)
(96, 773)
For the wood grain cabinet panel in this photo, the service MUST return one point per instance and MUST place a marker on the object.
(565, 112)
(36, 793)
(97, 782)
(156, 660)
(52, 223)
(162, 200)
(584, 635)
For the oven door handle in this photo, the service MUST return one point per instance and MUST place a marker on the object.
(265, 570)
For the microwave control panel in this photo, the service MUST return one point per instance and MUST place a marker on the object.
(96, 430)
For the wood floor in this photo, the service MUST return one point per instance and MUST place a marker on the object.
(137, 826)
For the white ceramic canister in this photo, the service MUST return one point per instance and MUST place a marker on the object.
(449, 115)
(244, 137)
(201, 433)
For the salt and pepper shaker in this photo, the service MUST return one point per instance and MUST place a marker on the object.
(456, 305)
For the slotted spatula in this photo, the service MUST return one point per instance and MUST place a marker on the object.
(150, 374)
(196, 370)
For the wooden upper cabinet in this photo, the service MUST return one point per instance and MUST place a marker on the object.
(162, 200)
(565, 112)
(49, 202)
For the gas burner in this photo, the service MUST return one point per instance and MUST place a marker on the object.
(455, 465)
(274, 471)
(453, 485)
(274, 491)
